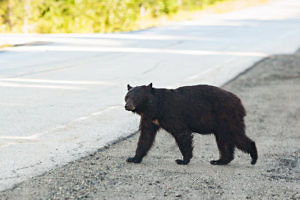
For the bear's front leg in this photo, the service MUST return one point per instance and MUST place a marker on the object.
(185, 144)
(148, 132)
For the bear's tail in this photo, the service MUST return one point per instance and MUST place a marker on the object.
(245, 144)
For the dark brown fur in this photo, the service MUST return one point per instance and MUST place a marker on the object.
(202, 109)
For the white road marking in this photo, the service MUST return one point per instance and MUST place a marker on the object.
(18, 85)
(139, 50)
(81, 82)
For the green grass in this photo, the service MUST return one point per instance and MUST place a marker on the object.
(100, 16)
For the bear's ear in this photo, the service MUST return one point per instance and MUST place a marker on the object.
(128, 87)
(150, 86)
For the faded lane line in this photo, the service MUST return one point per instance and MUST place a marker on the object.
(11, 140)
(80, 82)
(215, 68)
(17, 85)
(142, 50)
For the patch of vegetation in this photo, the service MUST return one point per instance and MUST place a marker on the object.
(90, 16)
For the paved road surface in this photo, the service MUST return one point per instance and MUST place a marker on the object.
(270, 92)
(61, 96)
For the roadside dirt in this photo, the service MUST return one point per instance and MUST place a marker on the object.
(270, 91)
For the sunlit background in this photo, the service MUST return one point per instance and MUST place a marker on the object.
(99, 16)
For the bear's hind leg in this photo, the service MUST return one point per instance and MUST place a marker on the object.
(226, 150)
(245, 144)
(185, 144)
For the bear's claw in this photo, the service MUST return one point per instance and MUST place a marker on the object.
(219, 162)
(133, 160)
(182, 162)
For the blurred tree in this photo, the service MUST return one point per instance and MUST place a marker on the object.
(86, 16)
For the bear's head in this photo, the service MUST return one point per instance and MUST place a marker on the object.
(138, 97)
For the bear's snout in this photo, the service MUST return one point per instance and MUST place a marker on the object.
(129, 107)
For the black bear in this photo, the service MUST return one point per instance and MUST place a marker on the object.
(202, 109)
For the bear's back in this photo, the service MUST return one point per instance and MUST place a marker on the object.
(202, 107)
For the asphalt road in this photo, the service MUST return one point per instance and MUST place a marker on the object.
(61, 96)
(270, 92)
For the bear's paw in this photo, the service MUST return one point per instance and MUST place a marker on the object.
(133, 160)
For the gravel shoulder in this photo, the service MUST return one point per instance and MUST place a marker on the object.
(270, 92)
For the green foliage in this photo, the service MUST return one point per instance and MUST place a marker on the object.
(86, 16)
